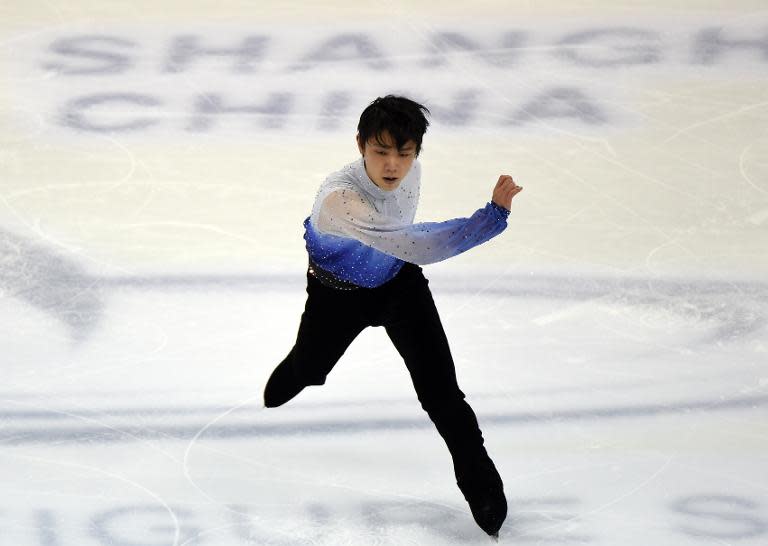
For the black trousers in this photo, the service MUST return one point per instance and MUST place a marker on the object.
(404, 306)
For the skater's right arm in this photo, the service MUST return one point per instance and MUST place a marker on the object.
(505, 190)
(347, 214)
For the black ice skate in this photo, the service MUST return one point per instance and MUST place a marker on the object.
(484, 491)
(282, 386)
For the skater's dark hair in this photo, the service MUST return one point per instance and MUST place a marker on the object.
(402, 118)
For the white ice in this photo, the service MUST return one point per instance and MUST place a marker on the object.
(154, 175)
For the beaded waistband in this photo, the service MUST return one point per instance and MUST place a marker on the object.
(328, 279)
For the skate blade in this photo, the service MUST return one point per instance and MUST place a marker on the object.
(495, 537)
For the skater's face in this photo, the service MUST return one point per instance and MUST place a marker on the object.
(385, 163)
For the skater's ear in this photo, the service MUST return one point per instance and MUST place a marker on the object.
(360, 144)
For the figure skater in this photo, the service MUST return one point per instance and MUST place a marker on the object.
(364, 257)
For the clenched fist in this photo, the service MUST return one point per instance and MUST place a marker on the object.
(505, 190)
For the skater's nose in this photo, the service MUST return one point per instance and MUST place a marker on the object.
(390, 163)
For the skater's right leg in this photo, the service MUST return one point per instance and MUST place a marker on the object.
(330, 322)
(283, 384)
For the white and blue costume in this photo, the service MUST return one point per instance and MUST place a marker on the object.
(363, 235)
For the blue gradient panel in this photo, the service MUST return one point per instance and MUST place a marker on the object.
(352, 261)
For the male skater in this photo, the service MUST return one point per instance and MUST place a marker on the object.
(363, 249)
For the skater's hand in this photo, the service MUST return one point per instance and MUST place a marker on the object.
(505, 190)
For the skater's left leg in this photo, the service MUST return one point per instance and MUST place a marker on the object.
(415, 329)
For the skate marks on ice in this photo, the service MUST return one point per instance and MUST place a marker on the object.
(249, 499)
(51, 282)
(62, 287)
(358, 515)
(710, 314)
(711, 518)
(115, 425)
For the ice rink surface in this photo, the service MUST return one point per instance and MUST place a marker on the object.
(157, 160)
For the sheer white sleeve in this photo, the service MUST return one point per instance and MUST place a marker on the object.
(345, 213)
